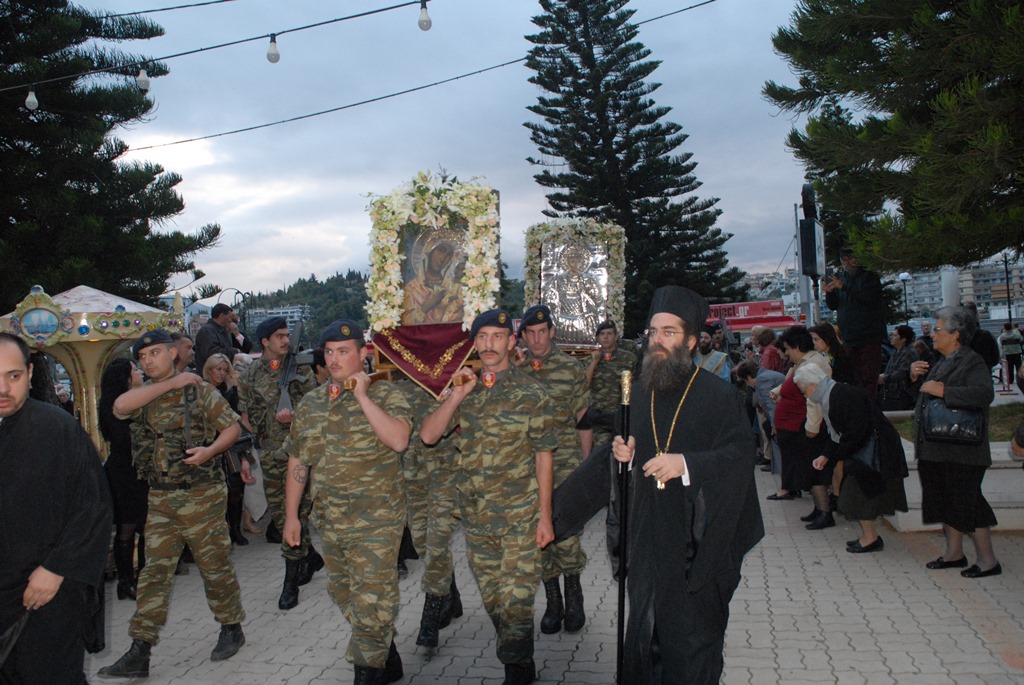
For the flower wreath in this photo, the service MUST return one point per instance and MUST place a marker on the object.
(429, 203)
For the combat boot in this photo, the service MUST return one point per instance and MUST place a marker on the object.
(229, 642)
(552, 621)
(123, 550)
(393, 670)
(312, 563)
(368, 676)
(290, 592)
(133, 664)
(451, 607)
(520, 674)
(574, 615)
(430, 621)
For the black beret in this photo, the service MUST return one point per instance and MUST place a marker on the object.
(498, 318)
(270, 326)
(710, 330)
(157, 337)
(683, 302)
(604, 326)
(341, 330)
(538, 313)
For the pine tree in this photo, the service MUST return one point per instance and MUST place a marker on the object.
(619, 157)
(914, 135)
(74, 213)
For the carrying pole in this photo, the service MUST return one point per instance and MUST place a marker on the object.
(627, 385)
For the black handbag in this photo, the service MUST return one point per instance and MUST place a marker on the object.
(866, 457)
(955, 425)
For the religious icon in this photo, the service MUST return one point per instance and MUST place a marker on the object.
(435, 261)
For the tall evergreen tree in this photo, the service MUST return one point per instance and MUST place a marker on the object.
(620, 158)
(72, 212)
(915, 135)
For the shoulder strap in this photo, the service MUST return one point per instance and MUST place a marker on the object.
(189, 396)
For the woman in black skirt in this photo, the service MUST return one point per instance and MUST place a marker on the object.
(128, 492)
(951, 473)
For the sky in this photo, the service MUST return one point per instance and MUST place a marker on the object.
(291, 200)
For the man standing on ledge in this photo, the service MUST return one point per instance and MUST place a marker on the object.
(856, 297)
(693, 504)
(504, 418)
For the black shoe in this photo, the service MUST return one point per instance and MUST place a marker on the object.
(290, 590)
(310, 565)
(857, 548)
(273, 534)
(574, 614)
(551, 623)
(810, 517)
(767, 469)
(975, 572)
(186, 555)
(430, 621)
(229, 642)
(763, 462)
(367, 676)
(520, 674)
(181, 569)
(823, 520)
(123, 551)
(452, 605)
(403, 570)
(127, 589)
(776, 497)
(236, 536)
(133, 664)
(393, 670)
(941, 563)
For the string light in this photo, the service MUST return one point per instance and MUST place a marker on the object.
(142, 81)
(273, 54)
(31, 103)
(424, 23)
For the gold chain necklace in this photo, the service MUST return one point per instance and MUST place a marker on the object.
(672, 429)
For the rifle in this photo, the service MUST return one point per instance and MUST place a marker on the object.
(285, 400)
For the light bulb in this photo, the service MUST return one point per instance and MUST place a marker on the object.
(142, 81)
(273, 55)
(31, 103)
(424, 23)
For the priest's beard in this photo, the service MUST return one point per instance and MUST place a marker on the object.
(665, 373)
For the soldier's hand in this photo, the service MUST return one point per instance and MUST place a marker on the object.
(545, 532)
(284, 416)
(198, 455)
(595, 356)
(463, 381)
(184, 379)
(292, 533)
(246, 473)
(623, 451)
(519, 356)
(362, 384)
(42, 586)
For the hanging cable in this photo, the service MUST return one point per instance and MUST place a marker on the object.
(166, 9)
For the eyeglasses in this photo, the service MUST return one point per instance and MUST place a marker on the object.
(668, 333)
(938, 330)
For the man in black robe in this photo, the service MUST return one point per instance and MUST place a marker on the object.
(693, 505)
(55, 519)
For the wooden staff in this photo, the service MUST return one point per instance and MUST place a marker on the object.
(350, 383)
(627, 385)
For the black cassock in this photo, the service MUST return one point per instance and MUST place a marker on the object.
(55, 507)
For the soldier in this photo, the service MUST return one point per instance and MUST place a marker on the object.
(259, 394)
(565, 381)
(503, 418)
(432, 518)
(170, 413)
(351, 441)
(604, 373)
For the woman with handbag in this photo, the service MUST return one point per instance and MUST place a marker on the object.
(953, 454)
(869, 447)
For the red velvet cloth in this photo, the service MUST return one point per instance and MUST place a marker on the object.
(428, 353)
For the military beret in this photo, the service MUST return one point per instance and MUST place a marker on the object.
(341, 330)
(538, 313)
(682, 302)
(498, 318)
(270, 326)
(604, 326)
(157, 337)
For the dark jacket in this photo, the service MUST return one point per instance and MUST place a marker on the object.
(213, 339)
(853, 415)
(859, 308)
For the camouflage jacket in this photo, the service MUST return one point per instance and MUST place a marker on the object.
(565, 381)
(501, 430)
(422, 403)
(606, 385)
(258, 394)
(158, 432)
(351, 468)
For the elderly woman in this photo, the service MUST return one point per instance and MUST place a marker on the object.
(895, 380)
(951, 473)
(761, 381)
(853, 420)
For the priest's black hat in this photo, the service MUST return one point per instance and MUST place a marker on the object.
(492, 317)
(270, 326)
(692, 308)
(341, 330)
(157, 337)
(538, 313)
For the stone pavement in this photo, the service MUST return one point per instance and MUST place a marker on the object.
(806, 612)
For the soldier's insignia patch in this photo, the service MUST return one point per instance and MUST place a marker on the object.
(502, 318)
(489, 379)
(444, 394)
(345, 330)
(607, 356)
(275, 364)
(540, 316)
(335, 391)
(536, 364)
(147, 340)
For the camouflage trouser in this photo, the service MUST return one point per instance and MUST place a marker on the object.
(362, 578)
(432, 502)
(275, 468)
(565, 557)
(507, 569)
(176, 517)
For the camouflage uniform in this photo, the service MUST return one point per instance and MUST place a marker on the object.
(430, 496)
(258, 395)
(501, 429)
(606, 386)
(359, 503)
(186, 505)
(565, 382)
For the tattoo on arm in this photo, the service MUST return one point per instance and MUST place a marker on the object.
(300, 473)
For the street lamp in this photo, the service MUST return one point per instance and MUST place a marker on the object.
(1009, 296)
(905, 277)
